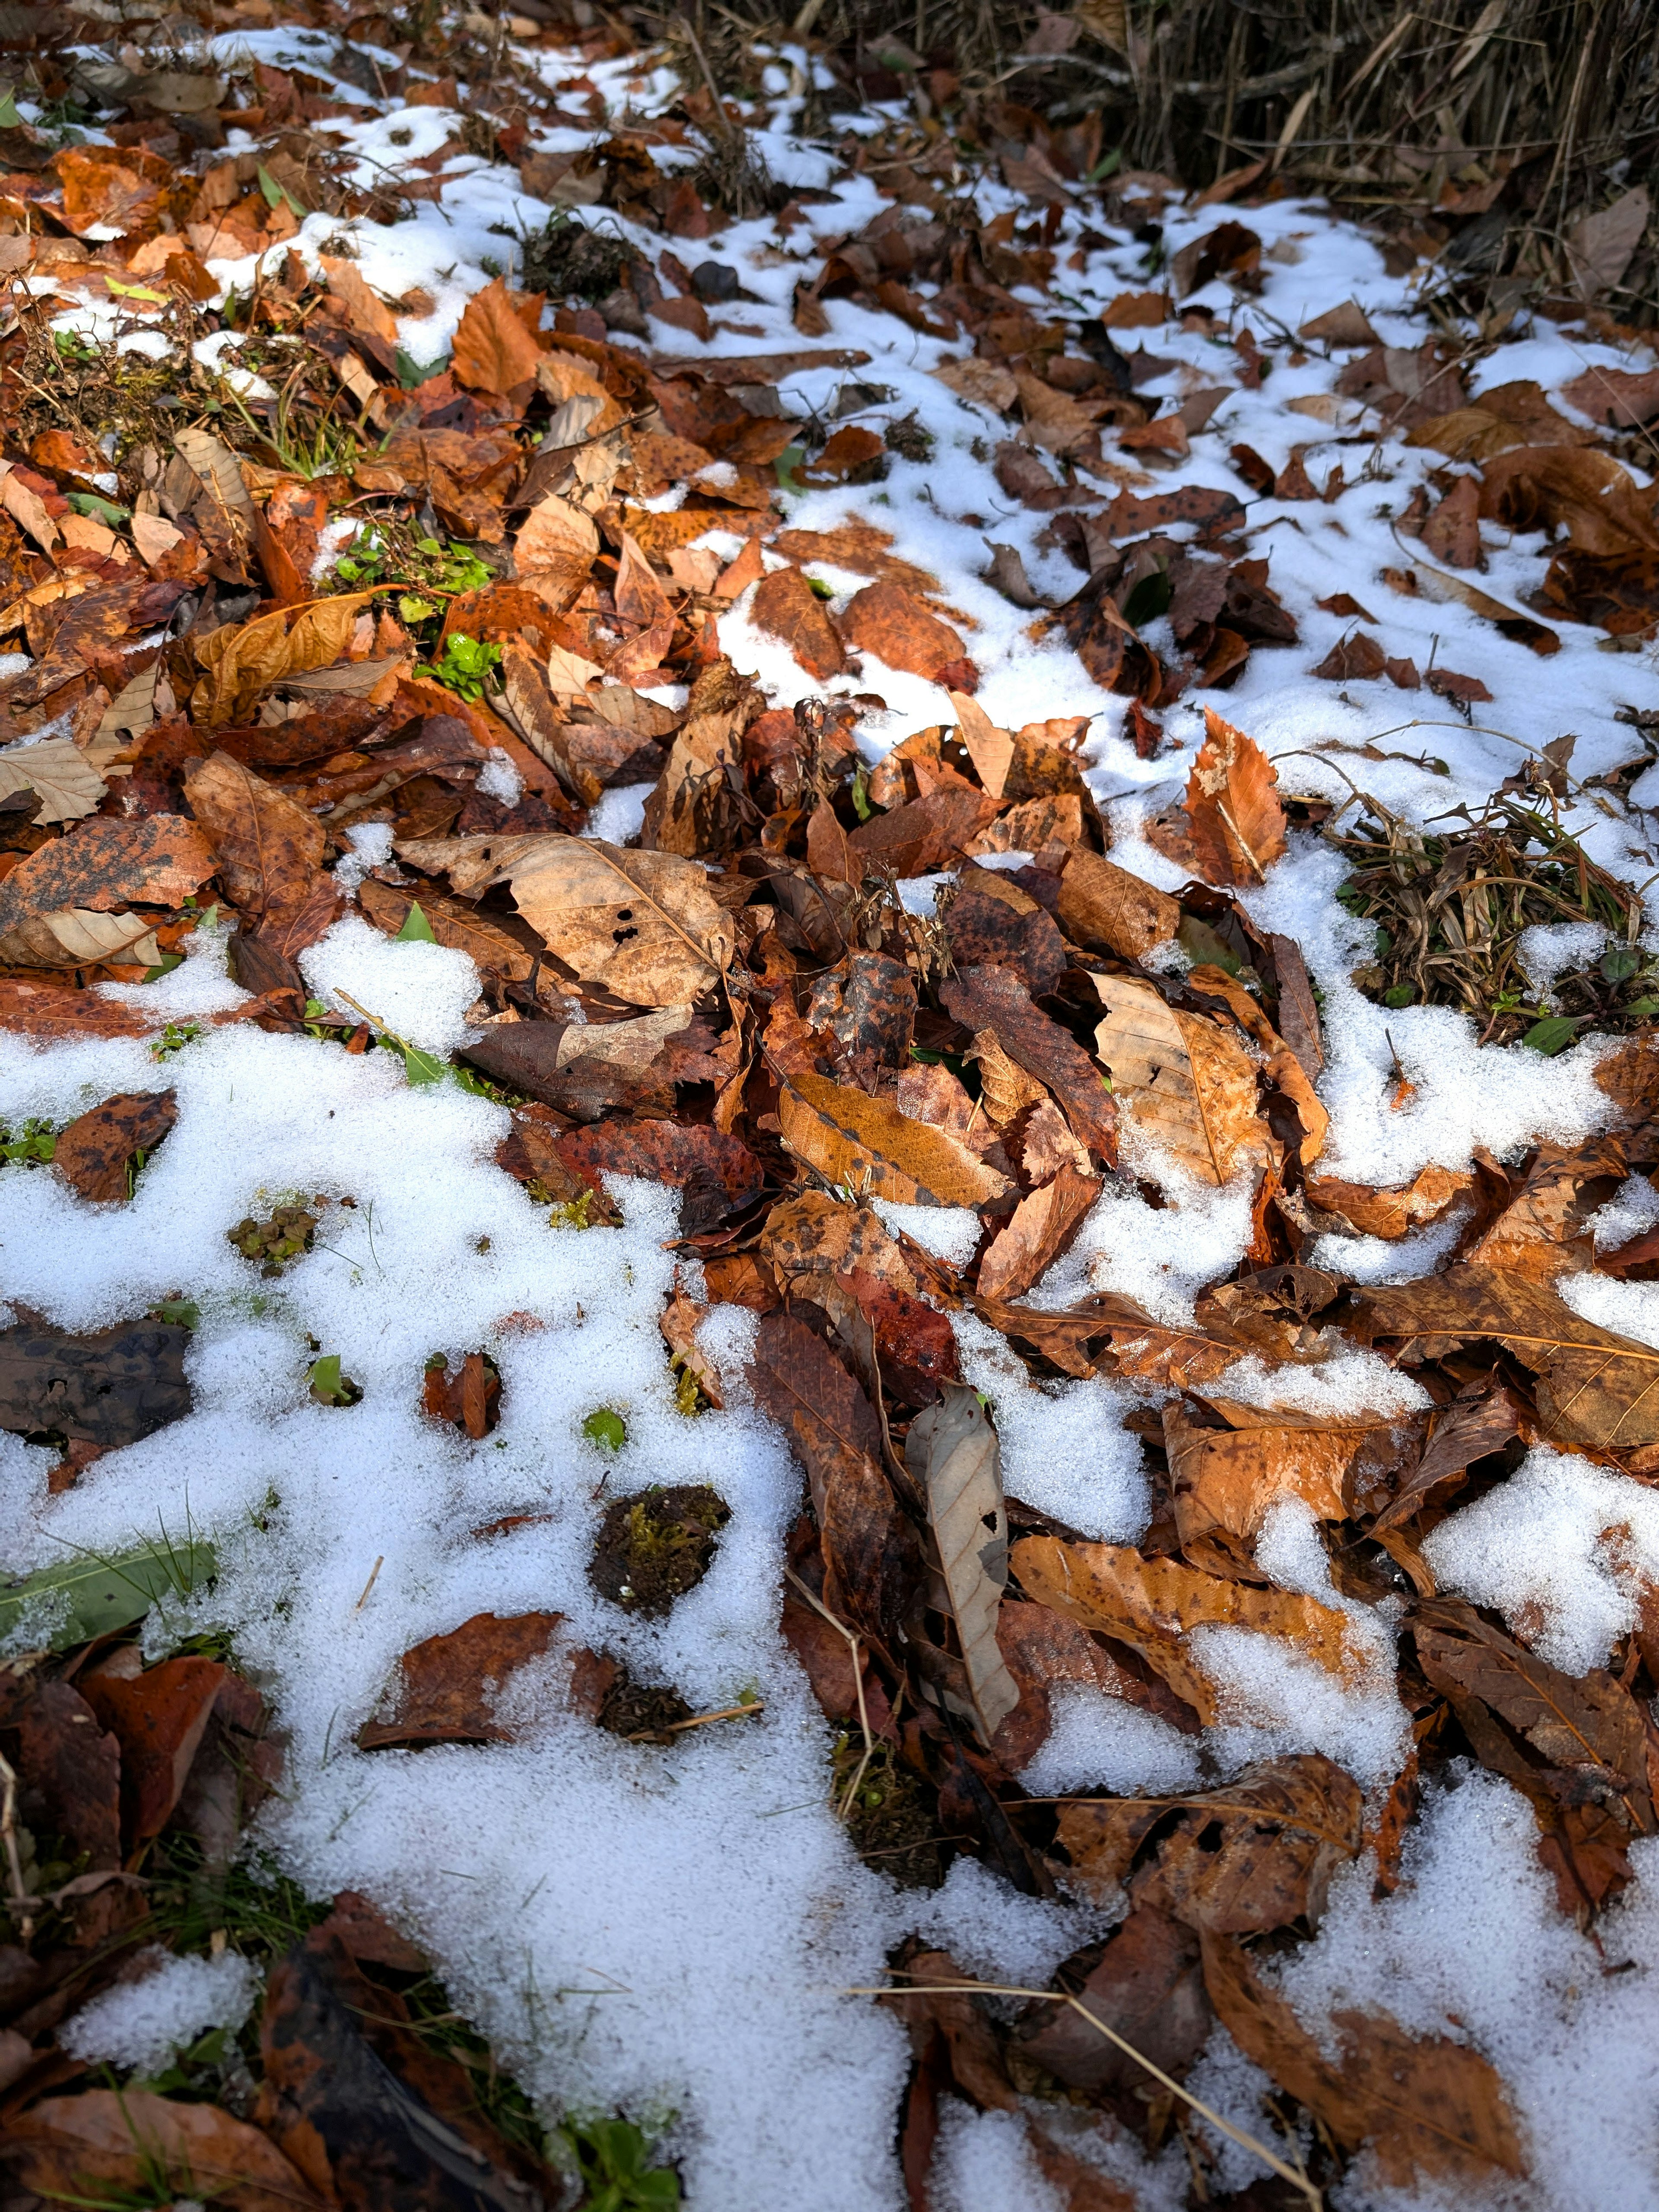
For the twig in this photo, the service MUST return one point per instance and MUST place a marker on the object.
(1294, 2174)
(698, 1720)
(374, 1576)
(846, 1805)
(23, 1904)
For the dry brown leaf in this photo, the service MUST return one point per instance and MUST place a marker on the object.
(557, 540)
(268, 849)
(59, 775)
(990, 748)
(1039, 1231)
(1151, 1603)
(987, 383)
(447, 1687)
(645, 925)
(1107, 909)
(952, 1453)
(1238, 822)
(157, 860)
(76, 937)
(1229, 1479)
(1543, 1231)
(493, 351)
(1390, 1214)
(530, 706)
(786, 606)
(1594, 1387)
(1185, 1082)
(892, 623)
(1006, 1092)
(995, 999)
(124, 2139)
(863, 1144)
(1428, 2106)
(93, 1154)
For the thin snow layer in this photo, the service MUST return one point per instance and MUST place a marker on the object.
(984, 2162)
(141, 2023)
(665, 1929)
(1563, 1550)
(1102, 1744)
(1472, 1946)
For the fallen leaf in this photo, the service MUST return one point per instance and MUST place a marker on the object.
(870, 1551)
(991, 998)
(642, 923)
(1229, 1478)
(1107, 909)
(1390, 1214)
(1429, 2107)
(111, 1388)
(158, 1718)
(59, 775)
(453, 922)
(447, 1687)
(867, 1146)
(73, 1769)
(718, 1173)
(1038, 1232)
(1594, 1387)
(892, 623)
(268, 850)
(1475, 1423)
(1148, 1987)
(76, 937)
(493, 351)
(1184, 1081)
(129, 2139)
(1600, 247)
(1543, 1231)
(104, 865)
(1237, 822)
(1151, 1603)
(992, 922)
(93, 1154)
(1621, 398)
(953, 1455)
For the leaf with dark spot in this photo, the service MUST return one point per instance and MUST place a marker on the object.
(93, 1154)
(110, 1388)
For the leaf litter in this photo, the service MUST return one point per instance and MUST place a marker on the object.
(1018, 1123)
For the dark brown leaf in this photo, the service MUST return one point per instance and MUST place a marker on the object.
(1149, 1986)
(109, 1388)
(92, 1155)
(993, 999)
(870, 1551)
(70, 1772)
(157, 1718)
(447, 1687)
(124, 2141)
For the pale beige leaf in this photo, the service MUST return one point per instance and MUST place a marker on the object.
(27, 508)
(987, 383)
(1005, 1090)
(58, 773)
(555, 535)
(953, 1454)
(529, 704)
(133, 707)
(155, 537)
(628, 1045)
(645, 925)
(1184, 1081)
(222, 473)
(990, 749)
(76, 937)
(1599, 247)
(863, 1144)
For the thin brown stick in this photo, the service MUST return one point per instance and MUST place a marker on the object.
(1294, 2174)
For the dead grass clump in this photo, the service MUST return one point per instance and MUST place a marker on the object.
(570, 259)
(1451, 910)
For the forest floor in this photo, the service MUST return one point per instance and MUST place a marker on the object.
(828, 1059)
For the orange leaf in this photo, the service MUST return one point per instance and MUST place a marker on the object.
(1238, 825)
(493, 351)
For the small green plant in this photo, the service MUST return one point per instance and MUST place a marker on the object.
(176, 1035)
(573, 1213)
(614, 2160)
(329, 1386)
(33, 1145)
(606, 1428)
(463, 667)
(73, 348)
(286, 1234)
(417, 929)
(382, 553)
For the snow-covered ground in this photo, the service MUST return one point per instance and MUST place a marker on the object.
(673, 1931)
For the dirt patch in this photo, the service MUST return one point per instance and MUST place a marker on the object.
(656, 1546)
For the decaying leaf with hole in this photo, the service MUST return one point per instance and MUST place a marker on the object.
(644, 925)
